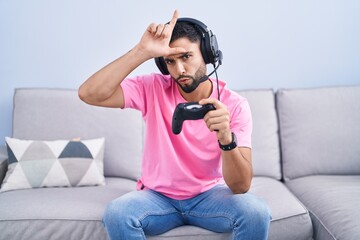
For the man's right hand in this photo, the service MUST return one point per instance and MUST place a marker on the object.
(103, 87)
(155, 41)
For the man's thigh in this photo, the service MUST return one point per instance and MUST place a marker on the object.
(220, 210)
(148, 210)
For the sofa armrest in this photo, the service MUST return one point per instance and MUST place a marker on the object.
(3, 162)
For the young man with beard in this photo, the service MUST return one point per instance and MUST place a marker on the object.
(199, 177)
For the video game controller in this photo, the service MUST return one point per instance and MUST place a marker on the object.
(189, 111)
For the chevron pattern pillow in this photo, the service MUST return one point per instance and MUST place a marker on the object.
(60, 163)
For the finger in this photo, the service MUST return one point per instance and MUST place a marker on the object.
(213, 116)
(216, 126)
(173, 20)
(151, 28)
(176, 50)
(217, 104)
(219, 124)
(159, 30)
(169, 27)
(166, 31)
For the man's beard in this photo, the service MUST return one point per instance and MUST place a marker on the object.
(188, 88)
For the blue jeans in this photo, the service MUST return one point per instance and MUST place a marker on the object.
(140, 213)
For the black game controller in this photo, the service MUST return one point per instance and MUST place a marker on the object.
(188, 111)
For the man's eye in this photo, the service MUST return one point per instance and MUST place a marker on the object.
(186, 56)
(169, 61)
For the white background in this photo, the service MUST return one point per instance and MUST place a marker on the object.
(266, 44)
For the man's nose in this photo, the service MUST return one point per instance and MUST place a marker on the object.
(180, 68)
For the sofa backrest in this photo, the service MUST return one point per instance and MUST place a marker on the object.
(319, 130)
(51, 114)
(265, 138)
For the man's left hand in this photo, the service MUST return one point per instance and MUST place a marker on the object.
(218, 120)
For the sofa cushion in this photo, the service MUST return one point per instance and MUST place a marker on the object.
(61, 163)
(3, 162)
(290, 219)
(50, 114)
(319, 130)
(265, 139)
(333, 203)
(66, 213)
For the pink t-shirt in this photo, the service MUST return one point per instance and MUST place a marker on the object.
(184, 165)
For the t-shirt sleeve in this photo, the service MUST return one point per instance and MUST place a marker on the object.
(134, 93)
(241, 123)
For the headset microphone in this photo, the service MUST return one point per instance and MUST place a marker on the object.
(206, 77)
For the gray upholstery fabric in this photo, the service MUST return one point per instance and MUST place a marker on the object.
(191, 233)
(3, 162)
(51, 114)
(53, 203)
(48, 114)
(52, 230)
(265, 138)
(320, 131)
(333, 202)
(68, 213)
(58, 213)
(290, 219)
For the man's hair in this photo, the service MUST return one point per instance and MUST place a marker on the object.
(188, 30)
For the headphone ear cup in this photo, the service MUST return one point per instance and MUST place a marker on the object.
(215, 52)
(206, 49)
(210, 48)
(160, 63)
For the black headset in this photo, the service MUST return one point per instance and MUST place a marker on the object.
(208, 46)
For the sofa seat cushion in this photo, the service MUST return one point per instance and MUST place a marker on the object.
(290, 219)
(67, 213)
(191, 233)
(75, 213)
(333, 203)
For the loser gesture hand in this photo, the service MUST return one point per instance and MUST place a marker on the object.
(155, 41)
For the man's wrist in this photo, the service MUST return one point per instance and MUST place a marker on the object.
(229, 146)
(141, 52)
(226, 138)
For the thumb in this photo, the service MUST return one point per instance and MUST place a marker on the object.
(176, 50)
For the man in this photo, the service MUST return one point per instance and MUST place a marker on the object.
(199, 177)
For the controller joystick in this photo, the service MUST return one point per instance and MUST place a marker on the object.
(189, 111)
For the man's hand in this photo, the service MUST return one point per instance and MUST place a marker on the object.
(218, 120)
(237, 163)
(155, 41)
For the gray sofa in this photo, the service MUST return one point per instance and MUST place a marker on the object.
(306, 156)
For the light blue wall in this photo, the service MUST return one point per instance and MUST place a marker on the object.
(266, 44)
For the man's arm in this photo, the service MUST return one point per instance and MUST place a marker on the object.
(236, 163)
(103, 88)
(237, 169)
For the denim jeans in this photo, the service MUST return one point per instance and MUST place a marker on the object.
(140, 213)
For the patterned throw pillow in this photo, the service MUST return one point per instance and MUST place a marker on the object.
(60, 163)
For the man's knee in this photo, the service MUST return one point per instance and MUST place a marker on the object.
(118, 212)
(112, 214)
(254, 213)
